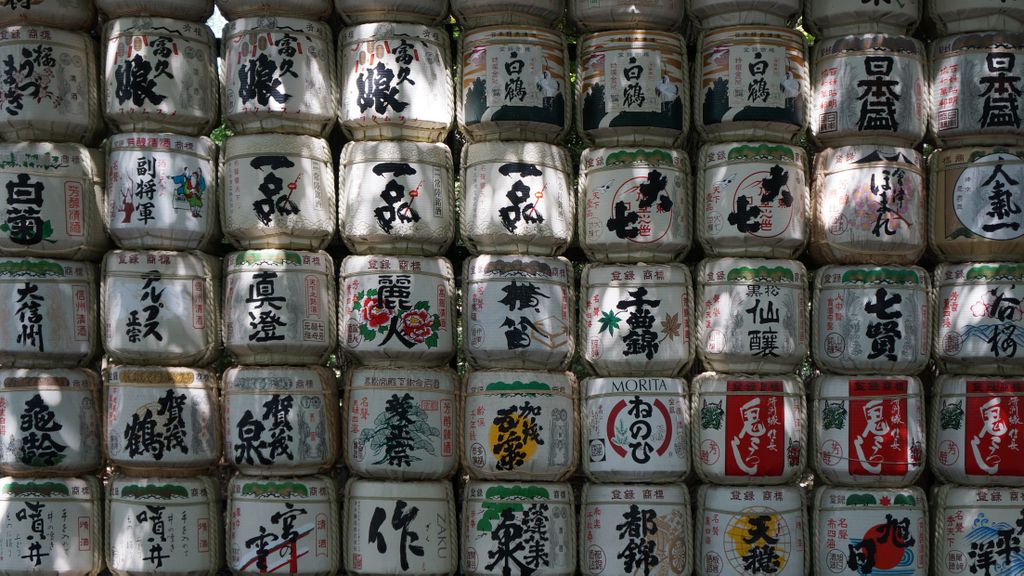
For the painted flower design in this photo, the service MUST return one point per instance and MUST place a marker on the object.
(417, 325)
(374, 314)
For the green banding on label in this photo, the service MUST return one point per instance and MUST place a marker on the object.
(870, 500)
(881, 276)
(281, 489)
(517, 386)
(163, 491)
(774, 274)
(257, 257)
(31, 268)
(994, 271)
(639, 155)
(762, 152)
(979, 154)
(511, 497)
(35, 488)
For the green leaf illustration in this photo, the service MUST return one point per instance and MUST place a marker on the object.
(610, 322)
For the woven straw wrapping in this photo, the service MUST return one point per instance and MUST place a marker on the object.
(66, 14)
(964, 519)
(477, 13)
(597, 15)
(711, 14)
(312, 9)
(432, 13)
(192, 10)
(955, 16)
(828, 18)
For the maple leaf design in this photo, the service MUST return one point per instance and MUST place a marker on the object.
(610, 322)
(670, 326)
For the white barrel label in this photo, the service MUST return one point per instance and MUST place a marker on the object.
(988, 196)
(51, 526)
(979, 531)
(979, 317)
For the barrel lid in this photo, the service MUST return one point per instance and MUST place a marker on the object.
(306, 488)
(390, 150)
(833, 498)
(731, 152)
(123, 375)
(281, 260)
(22, 268)
(865, 276)
(894, 44)
(627, 386)
(365, 378)
(985, 41)
(619, 39)
(978, 273)
(51, 488)
(172, 263)
(632, 274)
(143, 24)
(522, 34)
(605, 494)
(551, 492)
(276, 24)
(163, 142)
(751, 271)
(369, 264)
(502, 267)
(14, 379)
(171, 491)
(374, 489)
(835, 386)
(593, 158)
(499, 382)
(381, 30)
(276, 378)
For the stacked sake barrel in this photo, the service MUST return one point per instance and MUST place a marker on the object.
(396, 318)
(50, 237)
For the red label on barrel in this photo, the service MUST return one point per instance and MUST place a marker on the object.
(995, 432)
(755, 429)
(878, 428)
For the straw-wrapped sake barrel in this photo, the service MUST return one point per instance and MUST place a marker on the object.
(747, 526)
(635, 429)
(954, 16)
(66, 14)
(975, 203)
(312, 9)
(159, 74)
(162, 525)
(869, 205)
(869, 319)
(395, 82)
(279, 307)
(876, 531)
(973, 428)
(51, 85)
(161, 307)
(751, 82)
(634, 204)
(280, 420)
(401, 423)
(976, 89)
(531, 185)
(161, 420)
(374, 547)
(870, 89)
(277, 191)
(278, 76)
(520, 425)
(51, 311)
(431, 12)
(594, 15)
(514, 85)
(397, 311)
(477, 13)
(530, 525)
(868, 430)
(636, 320)
(979, 322)
(748, 429)
(625, 527)
(977, 528)
(52, 205)
(396, 197)
(53, 417)
(51, 526)
(192, 10)
(520, 312)
(719, 13)
(632, 88)
(161, 192)
(751, 314)
(753, 199)
(830, 18)
(283, 525)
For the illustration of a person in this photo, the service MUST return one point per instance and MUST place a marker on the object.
(992, 425)
(877, 429)
(548, 87)
(668, 92)
(754, 429)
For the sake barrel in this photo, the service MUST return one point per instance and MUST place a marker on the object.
(374, 547)
(278, 192)
(769, 95)
(540, 13)
(868, 429)
(52, 206)
(279, 307)
(312, 9)
(163, 526)
(162, 420)
(951, 17)
(51, 526)
(51, 310)
(973, 424)
(745, 526)
(978, 319)
(632, 88)
(288, 525)
(634, 204)
(636, 320)
(635, 429)
(719, 13)
(278, 76)
(868, 319)
(395, 82)
(594, 15)
(976, 85)
(835, 17)
(396, 310)
(751, 314)
(532, 525)
(401, 423)
(51, 420)
(977, 527)
(760, 422)
(520, 425)
(869, 205)
(379, 208)
(756, 199)
(161, 307)
(51, 85)
(161, 192)
(528, 96)
(193, 10)
(431, 12)
(650, 517)
(521, 312)
(870, 89)
(73, 15)
(884, 531)
(974, 205)
(531, 184)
